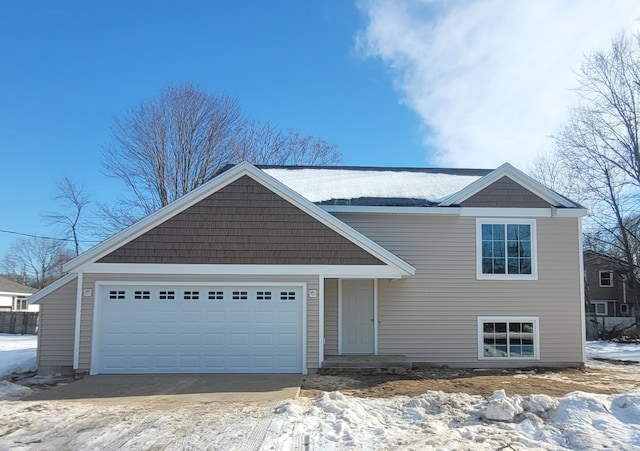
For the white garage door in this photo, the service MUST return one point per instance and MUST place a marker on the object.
(198, 329)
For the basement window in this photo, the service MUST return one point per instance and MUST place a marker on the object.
(508, 338)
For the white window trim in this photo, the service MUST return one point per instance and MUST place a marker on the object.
(534, 249)
(626, 308)
(509, 319)
(606, 308)
(610, 278)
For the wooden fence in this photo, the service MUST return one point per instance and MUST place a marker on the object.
(19, 323)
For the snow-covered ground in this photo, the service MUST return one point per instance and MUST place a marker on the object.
(434, 420)
(17, 353)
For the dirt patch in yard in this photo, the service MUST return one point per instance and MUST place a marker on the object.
(365, 383)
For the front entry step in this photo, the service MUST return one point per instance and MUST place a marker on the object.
(366, 361)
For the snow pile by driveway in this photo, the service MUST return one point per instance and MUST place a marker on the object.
(458, 421)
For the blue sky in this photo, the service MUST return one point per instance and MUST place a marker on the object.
(390, 83)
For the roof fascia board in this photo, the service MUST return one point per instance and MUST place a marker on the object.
(39, 295)
(514, 174)
(370, 271)
(16, 293)
(147, 223)
(569, 212)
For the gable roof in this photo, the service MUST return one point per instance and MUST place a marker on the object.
(219, 182)
(382, 186)
(506, 170)
(9, 286)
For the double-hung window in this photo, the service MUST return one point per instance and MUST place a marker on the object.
(506, 249)
(606, 278)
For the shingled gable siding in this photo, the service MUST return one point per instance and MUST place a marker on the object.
(242, 223)
(505, 193)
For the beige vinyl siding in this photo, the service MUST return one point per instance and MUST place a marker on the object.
(89, 281)
(331, 316)
(57, 330)
(432, 316)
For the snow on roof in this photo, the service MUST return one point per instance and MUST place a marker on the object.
(324, 184)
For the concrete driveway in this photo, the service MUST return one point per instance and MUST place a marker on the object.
(176, 388)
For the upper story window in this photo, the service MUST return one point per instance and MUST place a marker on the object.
(20, 303)
(506, 249)
(606, 278)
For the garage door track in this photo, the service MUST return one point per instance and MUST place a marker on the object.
(176, 388)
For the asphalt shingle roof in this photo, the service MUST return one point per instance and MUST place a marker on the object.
(9, 286)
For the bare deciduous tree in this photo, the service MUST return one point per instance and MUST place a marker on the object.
(176, 141)
(170, 144)
(41, 259)
(74, 200)
(597, 159)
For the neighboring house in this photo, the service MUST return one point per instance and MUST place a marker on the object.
(14, 295)
(607, 296)
(272, 270)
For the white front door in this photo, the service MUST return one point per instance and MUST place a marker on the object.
(358, 316)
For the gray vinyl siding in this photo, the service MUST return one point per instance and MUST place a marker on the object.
(242, 223)
(57, 330)
(86, 329)
(331, 316)
(505, 193)
(595, 292)
(432, 316)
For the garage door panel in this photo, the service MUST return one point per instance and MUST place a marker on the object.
(202, 329)
(215, 339)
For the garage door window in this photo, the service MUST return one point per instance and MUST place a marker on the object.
(263, 295)
(191, 295)
(114, 294)
(216, 296)
(239, 295)
(167, 295)
(287, 295)
(141, 295)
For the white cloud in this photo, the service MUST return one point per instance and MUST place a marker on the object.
(490, 79)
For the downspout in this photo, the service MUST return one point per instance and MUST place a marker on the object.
(582, 306)
(320, 320)
(76, 339)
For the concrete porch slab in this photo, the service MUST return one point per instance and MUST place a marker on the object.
(366, 361)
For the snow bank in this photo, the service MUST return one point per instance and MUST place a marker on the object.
(612, 350)
(17, 354)
(452, 421)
